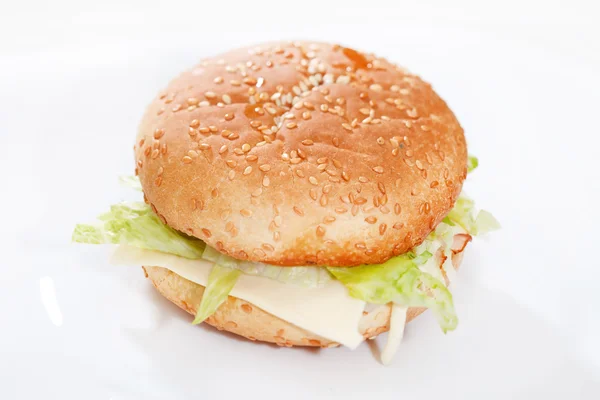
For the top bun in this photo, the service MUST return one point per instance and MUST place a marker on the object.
(301, 153)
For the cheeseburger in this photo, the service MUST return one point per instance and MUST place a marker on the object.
(304, 194)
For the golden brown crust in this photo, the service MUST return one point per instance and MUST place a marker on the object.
(247, 320)
(364, 164)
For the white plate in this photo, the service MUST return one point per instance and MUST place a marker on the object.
(74, 326)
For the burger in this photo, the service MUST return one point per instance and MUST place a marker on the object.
(304, 194)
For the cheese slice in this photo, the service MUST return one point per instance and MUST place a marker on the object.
(327, 311)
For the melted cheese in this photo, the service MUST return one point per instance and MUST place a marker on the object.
(396, 333)
(327, 311)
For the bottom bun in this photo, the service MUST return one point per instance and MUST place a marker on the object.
(247, 320)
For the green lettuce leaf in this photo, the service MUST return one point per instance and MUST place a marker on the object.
(135, 224)
(221, 281)
(400, 280)
(485, 223)
(472, 163)
(308, 276)
(130, 181)
(465, 215)
(462, 214)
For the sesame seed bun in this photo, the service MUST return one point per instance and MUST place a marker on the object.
(247, 320)
(301, 153)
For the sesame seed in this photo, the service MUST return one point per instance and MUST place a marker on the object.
(223, 149)
(210, 95)
(376, 87)
(277, 220)
(323, 201)
(231, 174)
(187, 160)
(204, 146)
(345, 176)
(245, 212)
(378, 169)
(320, 231)
(248, 170)
(158, 133)
(376, 201)
(313, 180)
(371, 220)
(193, 153)
(291, 125)
(412, 113)
(398, 225)
(155, 153)
(434, 184)
(313, 194)
(306, 115)
(363, 179)
(300, 173)
(347, 126)
(266, 181)
(298, 211)
(246, 147)
(307, 142)
(360, 200)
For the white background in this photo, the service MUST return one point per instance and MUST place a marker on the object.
(523, 80)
